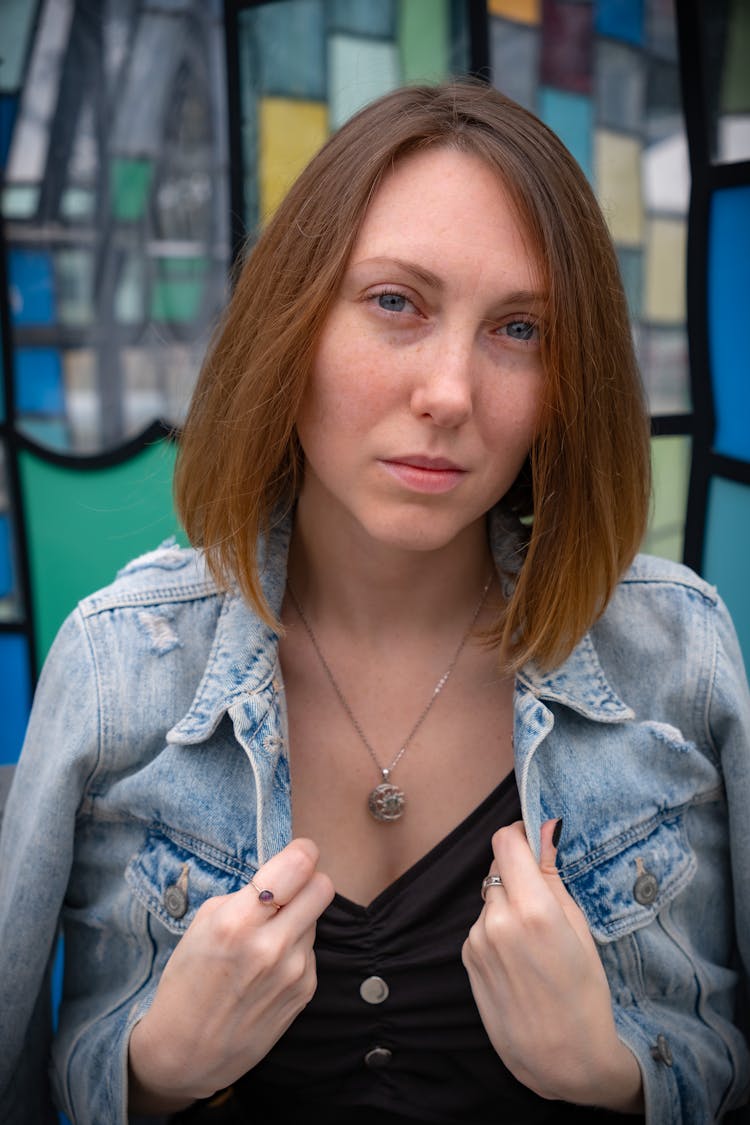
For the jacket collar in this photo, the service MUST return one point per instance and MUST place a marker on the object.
(243, 658)
(579, 683)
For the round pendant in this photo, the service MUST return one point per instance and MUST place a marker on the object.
(386, 801)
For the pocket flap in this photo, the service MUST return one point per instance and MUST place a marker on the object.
(624, 883)
(173, 877)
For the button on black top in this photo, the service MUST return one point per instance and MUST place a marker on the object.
(374, 990)
(378, 1057)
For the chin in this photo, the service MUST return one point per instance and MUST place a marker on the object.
(413, 531)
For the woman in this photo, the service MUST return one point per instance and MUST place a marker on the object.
(410, 795)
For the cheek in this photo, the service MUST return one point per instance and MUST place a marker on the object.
(512, 417)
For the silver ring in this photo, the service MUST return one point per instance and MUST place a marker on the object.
(265, 896)
(490, 881)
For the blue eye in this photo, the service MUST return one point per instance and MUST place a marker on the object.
(392, 302)
(521, 330)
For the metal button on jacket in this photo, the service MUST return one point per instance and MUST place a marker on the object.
(378, 1057)
(175, 901)
(645, 888)
(374, 990)
(661, 1051)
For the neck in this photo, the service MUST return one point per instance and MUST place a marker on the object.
(368, 587)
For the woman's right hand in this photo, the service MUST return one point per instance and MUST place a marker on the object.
(237, 979)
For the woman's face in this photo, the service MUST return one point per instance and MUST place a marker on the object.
(427, 380)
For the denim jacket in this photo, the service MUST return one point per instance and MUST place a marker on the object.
(155, 774)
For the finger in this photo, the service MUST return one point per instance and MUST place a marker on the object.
(278, 881)
(515, 862)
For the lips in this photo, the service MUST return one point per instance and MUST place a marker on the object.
(424, 474)
(433, 464)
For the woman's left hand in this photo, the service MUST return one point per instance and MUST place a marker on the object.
(540, 986)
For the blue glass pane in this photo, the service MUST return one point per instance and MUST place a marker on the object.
(15, 695)
(8, 107)
(39, 381)
(728, 286)
(621, 19)
(32, 298)
(727, 549)
(6, 565)
(571, 117)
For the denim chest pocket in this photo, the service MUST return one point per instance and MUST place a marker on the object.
(173, 876)
(623, 883)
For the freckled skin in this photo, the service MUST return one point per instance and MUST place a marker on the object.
(431, 347)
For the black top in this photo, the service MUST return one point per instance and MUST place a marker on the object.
(421, 1053)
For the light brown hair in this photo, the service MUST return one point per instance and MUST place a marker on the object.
(586, 486)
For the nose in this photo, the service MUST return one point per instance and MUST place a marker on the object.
(443, 389)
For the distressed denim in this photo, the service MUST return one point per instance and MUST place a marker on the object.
(157, 749)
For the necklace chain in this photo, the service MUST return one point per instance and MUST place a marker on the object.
(386, 771)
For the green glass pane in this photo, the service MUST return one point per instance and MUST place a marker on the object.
(726, 551)
(178, 291)
(423, 37)
(130, 184)
(84, 524)
(670, 463)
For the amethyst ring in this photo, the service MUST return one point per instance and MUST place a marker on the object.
(266, 897)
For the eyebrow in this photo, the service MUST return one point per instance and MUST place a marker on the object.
(421, 273)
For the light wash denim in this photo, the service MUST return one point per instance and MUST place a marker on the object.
(158, 740)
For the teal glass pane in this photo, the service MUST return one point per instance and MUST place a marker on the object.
(16, 21)
(363, 17)
(571, 117)
(282, 47)
(359, 70)
(15, 695)
(631, 272)
(39, 381)
(74, 270)
(728, 287)
(20, 202)
(727, 549)
(31, 280)
(620, 19)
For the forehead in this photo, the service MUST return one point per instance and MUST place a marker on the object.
(444, 200)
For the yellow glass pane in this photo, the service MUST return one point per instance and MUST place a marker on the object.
(291, 132)
(665, 271)
(617, 163)
(523, 11)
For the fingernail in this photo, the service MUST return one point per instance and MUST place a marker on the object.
(557, 832)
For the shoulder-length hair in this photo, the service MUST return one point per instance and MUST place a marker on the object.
(586, 486)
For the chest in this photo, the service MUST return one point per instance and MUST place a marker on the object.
(458, 754)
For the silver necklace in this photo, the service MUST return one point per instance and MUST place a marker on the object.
(387, 801)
